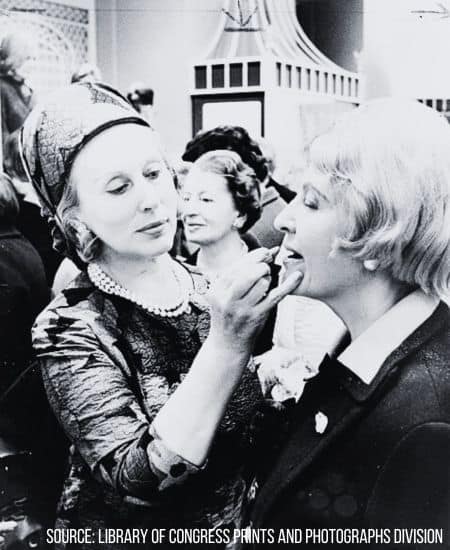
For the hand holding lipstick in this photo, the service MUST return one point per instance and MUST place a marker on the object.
(240, 299)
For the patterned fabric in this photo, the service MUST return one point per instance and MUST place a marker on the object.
(56, 130)
(108, 367)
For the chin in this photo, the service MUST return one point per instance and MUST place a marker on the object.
(193, 240)
(201, 241)
(153, 249)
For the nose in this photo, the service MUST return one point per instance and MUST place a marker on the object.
(150, 196)
(189, 207)
(285, 221)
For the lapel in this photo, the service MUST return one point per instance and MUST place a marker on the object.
(343, 398)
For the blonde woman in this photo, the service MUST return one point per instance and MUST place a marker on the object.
(369, 439)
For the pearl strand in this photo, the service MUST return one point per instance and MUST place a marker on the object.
(105, 283)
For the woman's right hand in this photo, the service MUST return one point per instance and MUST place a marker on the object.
(240, 300)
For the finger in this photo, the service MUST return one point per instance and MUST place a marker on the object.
(279, 292)
(245, 281)
(274, 251)
(271, 255)
(257, 292)
(253, 257)
(262, 254)
(235, 270)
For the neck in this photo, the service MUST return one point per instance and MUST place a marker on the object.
(216, 255)
(368, 303)
(134, 273)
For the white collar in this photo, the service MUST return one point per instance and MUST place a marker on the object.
(365, 355)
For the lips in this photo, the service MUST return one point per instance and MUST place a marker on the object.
(294, 256)
(194, 225)
(154, 226)
(290, 254)
(292, 260)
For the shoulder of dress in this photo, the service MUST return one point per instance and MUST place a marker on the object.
(80, 301)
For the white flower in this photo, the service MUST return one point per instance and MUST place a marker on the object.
(283, 373)
(321, 422)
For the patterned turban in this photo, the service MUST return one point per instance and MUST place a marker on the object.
(56, 130)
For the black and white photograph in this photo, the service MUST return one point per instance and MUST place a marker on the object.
(225, 274)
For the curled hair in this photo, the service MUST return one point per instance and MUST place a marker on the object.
(9, 205)
(231, 138)
(388, 164)
(87, 244)
(241, 179)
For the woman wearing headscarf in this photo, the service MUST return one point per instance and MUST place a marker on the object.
(142, 364)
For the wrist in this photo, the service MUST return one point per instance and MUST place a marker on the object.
(237, 347)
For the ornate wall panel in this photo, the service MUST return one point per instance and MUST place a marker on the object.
(61, 33)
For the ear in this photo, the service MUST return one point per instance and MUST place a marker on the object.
(240, 220)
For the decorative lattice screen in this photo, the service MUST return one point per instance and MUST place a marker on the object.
(60, 33)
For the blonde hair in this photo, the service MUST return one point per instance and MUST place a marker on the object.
(389, 168)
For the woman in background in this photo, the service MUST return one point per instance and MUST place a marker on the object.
(237, 139)
(145, 369)
(16, 97)
(220, 201)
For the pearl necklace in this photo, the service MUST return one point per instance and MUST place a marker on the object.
(105, 283)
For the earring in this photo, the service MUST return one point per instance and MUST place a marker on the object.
(371, 265)
(236, 224)
(85, 236)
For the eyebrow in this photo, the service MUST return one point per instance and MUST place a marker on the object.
(110, 177)
(309, 186)
(118, 173)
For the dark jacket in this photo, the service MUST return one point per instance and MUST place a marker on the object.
(23, 294)
(35, 228)
(383, 460)
(26, 425)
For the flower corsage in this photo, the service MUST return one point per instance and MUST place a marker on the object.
(283, 373)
